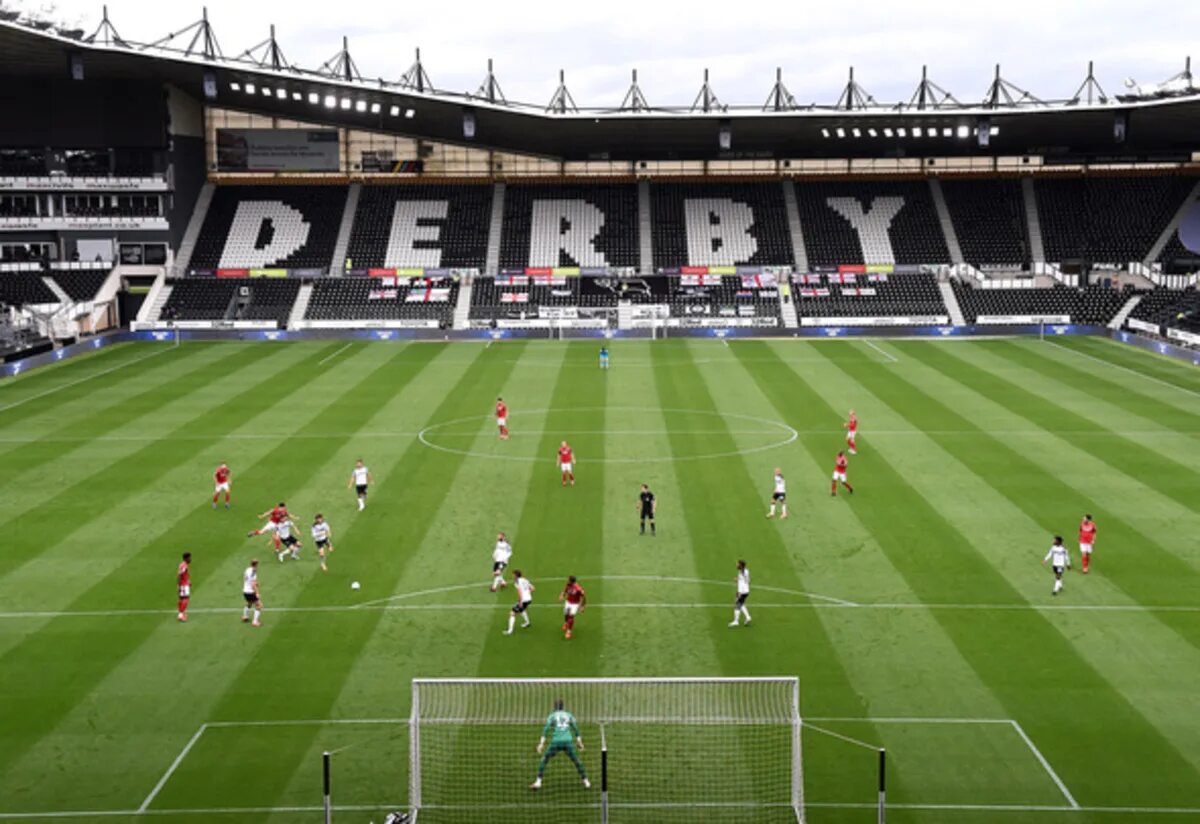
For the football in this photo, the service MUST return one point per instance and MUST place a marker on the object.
(355, 585)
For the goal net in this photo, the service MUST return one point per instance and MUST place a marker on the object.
(655, 750)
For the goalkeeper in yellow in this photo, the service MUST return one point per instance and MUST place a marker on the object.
(564, 736)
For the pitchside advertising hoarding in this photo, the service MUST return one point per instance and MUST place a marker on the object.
(277, 150)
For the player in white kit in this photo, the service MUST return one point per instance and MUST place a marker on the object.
(1059, 560)
(779, 496)
(743, 592)
(322, 538)
(360, 479)
(288, 542)
(525, 591)
(251, 594)
(500, 558)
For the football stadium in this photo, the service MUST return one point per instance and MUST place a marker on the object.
(375, 452)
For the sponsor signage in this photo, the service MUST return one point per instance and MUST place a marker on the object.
(83, 224)
(894, 320)
(277, 150)
(1190, 338)
(558, 312)
(1144, 326)
(1016, 320)
(82, 184)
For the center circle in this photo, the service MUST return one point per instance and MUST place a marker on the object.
(475, 436)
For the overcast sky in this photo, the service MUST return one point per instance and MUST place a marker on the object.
(1042, 45)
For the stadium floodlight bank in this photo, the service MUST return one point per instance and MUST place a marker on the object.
(655, 750)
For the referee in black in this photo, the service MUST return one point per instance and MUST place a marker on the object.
(647, 506)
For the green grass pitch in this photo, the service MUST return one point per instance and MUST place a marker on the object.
(916, 612)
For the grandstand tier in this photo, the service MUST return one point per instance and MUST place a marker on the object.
(268, 227)
(429, 226)
(1095, 305)
(720, 224)
(570, 225)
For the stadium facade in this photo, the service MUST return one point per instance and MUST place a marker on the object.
(170, 186)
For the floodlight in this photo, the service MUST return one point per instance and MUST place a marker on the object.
(346, 102)
(841, 132)
(916, 131)
(236, 87)
(824, 132)
(375, 108)
(887, 131)
(409, 114)
(250, 88)
(395, 110)
(314, 98)
(330, 101)
(360, 106)
(964, 132)
(281, 94)
(856, 132)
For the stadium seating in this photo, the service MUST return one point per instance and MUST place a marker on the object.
(429, 226)
(890, 221)
(270, 299)
(1169, 307)
(571, 225)
(368, 299)
(989, 221)
(719, 224)
(287, 227)
(81, 285)
(1093, 304)
(834, 296)
(1106, 219)
(200, 299)
(21, 288)
(725, 299)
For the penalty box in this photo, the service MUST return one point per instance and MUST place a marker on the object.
(277, 764)
(966, 763)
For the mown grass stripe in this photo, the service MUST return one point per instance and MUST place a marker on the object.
(557, 518)
(179, 377)
(1039, 494)
(1164, 475)
(1118, 388)
(35, 713)
(1127, 357)
(91, 495)
(82, 389)
(419, 482)
(1008, 644)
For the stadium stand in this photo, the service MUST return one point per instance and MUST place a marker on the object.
(286, 227)
(222, 299)
(697, 299)
(884, 221)
(830, 296)
(1170, 307)
(81, 285)
(429, 226)
(720, 224)
(23, 288)
(1092, 304)
(989, 220)
(370, 299)
(1106, 219)
(570, 225)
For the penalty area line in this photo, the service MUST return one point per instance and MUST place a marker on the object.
(891, 358)
(162, 782)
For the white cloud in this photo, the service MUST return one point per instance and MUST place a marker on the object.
(1042, 46)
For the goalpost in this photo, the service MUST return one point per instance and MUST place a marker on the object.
(656, 750)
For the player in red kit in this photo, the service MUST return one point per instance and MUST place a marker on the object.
(276, 516)
(839, 474)
(184, 579)
(852, 433)
(502, 418)
(574, 601)
(566, 463)
(1087, 537)
(221, 484)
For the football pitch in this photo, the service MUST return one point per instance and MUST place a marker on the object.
(916, 613)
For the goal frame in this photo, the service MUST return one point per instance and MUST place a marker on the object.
(796, 722)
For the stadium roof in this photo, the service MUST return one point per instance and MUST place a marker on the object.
(1162, 124)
